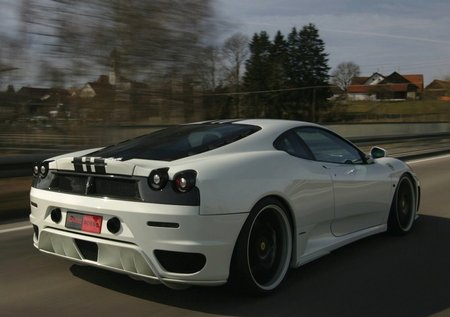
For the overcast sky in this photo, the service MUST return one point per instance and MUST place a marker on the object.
(409, 36)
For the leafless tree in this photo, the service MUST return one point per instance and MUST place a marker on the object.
(235, 51)
(210, 68)
(343, 74)
(153, 37)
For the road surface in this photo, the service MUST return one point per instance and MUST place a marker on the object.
(378, 276)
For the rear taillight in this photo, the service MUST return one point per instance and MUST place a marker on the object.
(158, 179)
(184, 181)
(35, 169)
(40, 169)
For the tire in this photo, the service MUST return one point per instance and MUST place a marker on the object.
(403, 208)
(262, 254)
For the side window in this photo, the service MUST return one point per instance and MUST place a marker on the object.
(290, 143)
(328, 147)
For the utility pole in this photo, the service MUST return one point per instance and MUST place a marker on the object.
(313, 106)
(5, 69)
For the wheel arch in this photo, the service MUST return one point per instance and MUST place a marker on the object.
(239, 277)
(394, 225)
(416, 186)
(287, 207)
(292, 220)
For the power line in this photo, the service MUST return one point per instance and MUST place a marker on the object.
(264, 91)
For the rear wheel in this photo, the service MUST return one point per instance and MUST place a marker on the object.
(263, 251)
(403, 209)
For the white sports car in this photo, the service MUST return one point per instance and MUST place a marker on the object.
(211, 202)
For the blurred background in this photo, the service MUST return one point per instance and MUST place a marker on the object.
(78, 74)
(89, 73)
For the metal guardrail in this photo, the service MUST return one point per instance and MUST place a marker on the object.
(16, 166)
(403, 147)
(408, 147)
(43, 141)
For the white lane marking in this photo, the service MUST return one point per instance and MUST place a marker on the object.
(429, 159)
(15, 229)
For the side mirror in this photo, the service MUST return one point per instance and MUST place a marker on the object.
(369, 159)
(377, 152)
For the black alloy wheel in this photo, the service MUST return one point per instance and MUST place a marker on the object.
(263, 251)
(403, 209)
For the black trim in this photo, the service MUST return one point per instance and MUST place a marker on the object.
(168, 195)
(88, 165)
(78, 164)
(85, 185)
(36, 231)
(163, 224)
(180, 262)
(100, 166)
(88, 249)
(93, 165)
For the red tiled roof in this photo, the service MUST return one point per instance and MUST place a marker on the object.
(439, 85)
(399, 84)
(416, 79)
(358, 89)
(367, 89)
(359, 80)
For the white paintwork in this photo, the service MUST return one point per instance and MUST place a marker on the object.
(362, 194)
(375, 79)
(212, 236)
(331, 205)
(361, 97)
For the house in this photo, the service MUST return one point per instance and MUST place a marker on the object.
(115, 97)
(380, 87)
(41, 101)
(438, 89)
(360, 87)
(87, 91)
(101, 88)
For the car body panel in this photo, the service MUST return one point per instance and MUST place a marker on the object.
(329, 205)
(212, 236)
(362, 195)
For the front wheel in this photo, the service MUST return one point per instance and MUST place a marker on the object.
(263, 251)
(403, 209)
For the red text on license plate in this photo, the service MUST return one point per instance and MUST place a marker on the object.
(86, 223)
(91, 224)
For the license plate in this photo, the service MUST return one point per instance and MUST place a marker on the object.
(83, 222)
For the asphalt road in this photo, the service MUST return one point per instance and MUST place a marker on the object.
(378, 276)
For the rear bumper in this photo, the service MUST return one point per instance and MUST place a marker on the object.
(151, 236)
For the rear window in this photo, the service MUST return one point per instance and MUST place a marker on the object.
(178, 142)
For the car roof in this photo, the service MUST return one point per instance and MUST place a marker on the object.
(261, 140)
(272, 124)
(275, 123)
